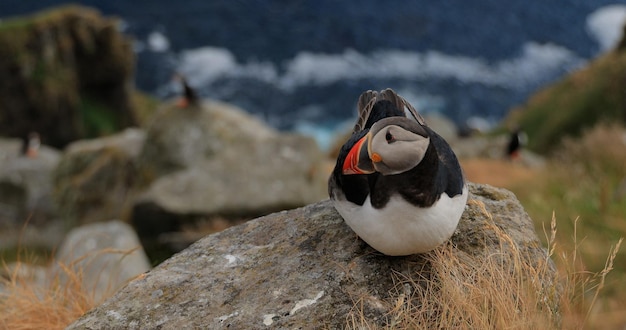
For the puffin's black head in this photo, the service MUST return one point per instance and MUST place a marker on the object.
(393, 145)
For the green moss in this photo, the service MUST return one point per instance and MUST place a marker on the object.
(98, 119)
(68, 66)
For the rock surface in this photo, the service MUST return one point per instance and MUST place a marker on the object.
(264, 177)
(302, 268)
(181, 137)
(25, 184)
(108, 254)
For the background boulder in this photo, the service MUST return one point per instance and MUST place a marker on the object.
(181, 137)
(214, 161)
(67, 74)
(106, 255)
(94, 259)
(25, 184)
(304, 268)
(28, 215)
(94, 178)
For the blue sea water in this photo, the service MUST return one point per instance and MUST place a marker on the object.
(301, 65)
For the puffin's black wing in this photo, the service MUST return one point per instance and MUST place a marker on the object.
(449, 176)
(364, 105)
(514, 143)
(401, 103)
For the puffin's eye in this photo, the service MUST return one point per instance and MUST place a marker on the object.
(389, 137)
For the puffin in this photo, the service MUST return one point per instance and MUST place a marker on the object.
(517, 140)
(397, 183)
(30, 145)
(189, 98)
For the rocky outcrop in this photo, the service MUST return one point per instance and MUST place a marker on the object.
(181, 137)
(304, 268)
(206, 163)
(67, 74)
(94, 178)
(213, 160)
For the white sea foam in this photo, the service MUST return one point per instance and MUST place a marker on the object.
(534, 63)
(207, 64)
(605, 25)
(158, 42)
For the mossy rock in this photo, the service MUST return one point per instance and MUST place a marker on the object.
(67, 73)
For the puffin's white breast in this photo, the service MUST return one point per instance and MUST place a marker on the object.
(401, 228)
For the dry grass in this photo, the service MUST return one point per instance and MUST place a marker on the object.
(504, 290)
(62, 297)
(496, 172)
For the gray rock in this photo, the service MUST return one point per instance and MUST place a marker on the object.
(93, 179)
(298, 269)
(214, 160)
(179, 138)
(266, 177)
(28, 215)
(106, 254)
(25, 185)
(130, 141)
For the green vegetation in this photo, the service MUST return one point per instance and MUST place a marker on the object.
(591, 95)
(98, 119)
(584, 186)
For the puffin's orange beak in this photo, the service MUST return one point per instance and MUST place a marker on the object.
(358, 160)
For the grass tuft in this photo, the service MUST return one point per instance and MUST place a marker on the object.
(27, 302)
(502, 290)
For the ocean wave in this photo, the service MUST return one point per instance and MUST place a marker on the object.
(158, 42)
(535, 64)
(204, 65)
(606, 25)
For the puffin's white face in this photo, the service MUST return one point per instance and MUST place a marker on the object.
(394, 149)
(393, 145)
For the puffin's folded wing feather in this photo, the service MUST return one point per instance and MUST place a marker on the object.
(400, 103)
(364, 105)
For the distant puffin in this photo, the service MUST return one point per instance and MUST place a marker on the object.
(517, 140)
(189, 98)
(397, 183)
(31, 144)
